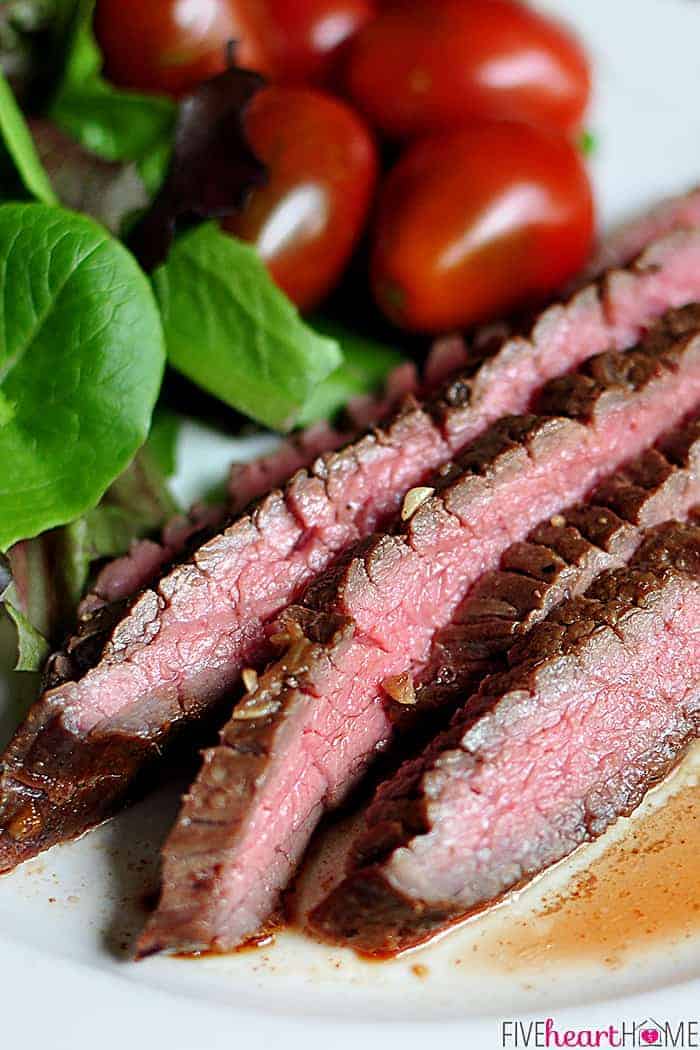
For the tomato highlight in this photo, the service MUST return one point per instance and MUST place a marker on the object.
(322, 165)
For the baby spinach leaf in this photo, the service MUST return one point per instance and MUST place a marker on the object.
(18, 152)
(230, 330)
(366, 364)
(81, 359)
(113, 123)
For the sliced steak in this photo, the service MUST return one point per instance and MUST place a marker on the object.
(122, 578)
(560, 558)
(680, 212)
(299, 739)
(181, 646)
(600, 702)
(251, 481)
(125, 576)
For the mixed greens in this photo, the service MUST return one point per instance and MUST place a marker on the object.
(85, 329)
(166, 212)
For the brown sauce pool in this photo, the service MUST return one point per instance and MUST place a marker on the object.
(641, 893)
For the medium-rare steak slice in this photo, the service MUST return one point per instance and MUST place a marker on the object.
(600, 702)
(623, 244)
(560, 558)
(182, 645)
(297, 741)
(123, 577)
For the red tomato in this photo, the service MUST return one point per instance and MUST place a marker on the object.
(477, 222)
(422, 65)
(167, 46)
(170, 46)
(298, 40)
(323, 166)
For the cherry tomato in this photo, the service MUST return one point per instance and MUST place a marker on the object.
(298, 40)
(422, 65)
(167, 46)
(323, 164)
(476, 222)
(170, 46)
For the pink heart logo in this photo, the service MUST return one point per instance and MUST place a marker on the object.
(650, 1035)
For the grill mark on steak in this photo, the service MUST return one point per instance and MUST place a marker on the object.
(102, 609)
(600, 702)
(319, 718)
(168, 664)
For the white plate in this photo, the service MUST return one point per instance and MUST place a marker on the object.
(64, 978)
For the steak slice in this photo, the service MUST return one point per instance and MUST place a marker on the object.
(679, 212)
(297, 742)
(599, 704)
(181, 646)
(148, 559)
(560, 558)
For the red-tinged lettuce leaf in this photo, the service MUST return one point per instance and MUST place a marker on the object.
(106, 191)
(212, 169)
(24, 32)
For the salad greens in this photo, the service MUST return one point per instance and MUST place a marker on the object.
(366, 364)
(212, 167)
(84, 332)
(81, 360)
(114, 124)
(32, 646)
(229, 328)
(18, 153)
(46, 577)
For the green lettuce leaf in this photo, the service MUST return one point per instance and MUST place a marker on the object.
(20, 165)
(45, 577)
(231, 331)
(81, 360)
(366, 364)
(32, 647)
(113, 123)
(163, 439)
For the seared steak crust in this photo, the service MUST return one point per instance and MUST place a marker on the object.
(674, 213)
